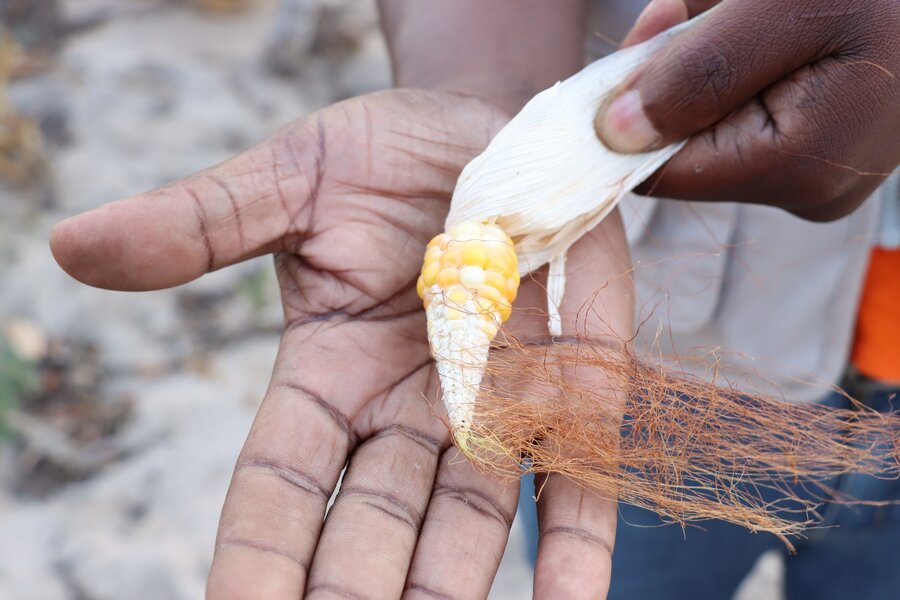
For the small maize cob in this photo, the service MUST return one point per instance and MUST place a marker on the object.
(468, 283)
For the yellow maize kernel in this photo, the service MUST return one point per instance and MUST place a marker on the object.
(430, 273)
(505, 311)
(503, 261)
(472, 277)
(490, 293)
(453, 314)
(497, 281)
(516, 277)
(512, 289)
(512, 258)
(447, 277)
(493, 233)
(498, 263)
(433, 254)
(475, 254)
(490, 328)
(420, 287)
(485, 306)
(439, 241)
(457, 296)
(465, 231)
(493, 244)
(451, 258)
(427, 297)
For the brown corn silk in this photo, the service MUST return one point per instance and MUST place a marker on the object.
(687, 449)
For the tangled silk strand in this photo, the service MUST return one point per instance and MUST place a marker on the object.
(682, 447)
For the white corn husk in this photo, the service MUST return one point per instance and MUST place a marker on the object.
(546, 178)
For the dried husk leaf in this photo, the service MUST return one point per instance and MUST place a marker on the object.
(546, 178)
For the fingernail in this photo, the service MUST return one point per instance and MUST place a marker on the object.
(625, 127)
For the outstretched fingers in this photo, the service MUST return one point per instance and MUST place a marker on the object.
(577, 533)
(577, 525)
(286, 473)
(371, 529)
(238, 209)
(464, 533)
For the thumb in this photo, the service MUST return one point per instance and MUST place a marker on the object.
(707, 72)
(233, 211)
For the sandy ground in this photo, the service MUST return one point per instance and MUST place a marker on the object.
(116, 494)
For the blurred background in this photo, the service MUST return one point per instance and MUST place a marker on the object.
(121, 415)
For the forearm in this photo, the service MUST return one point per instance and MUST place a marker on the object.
(504, 51)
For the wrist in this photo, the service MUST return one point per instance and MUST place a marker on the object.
(506, 95)
(503, 52)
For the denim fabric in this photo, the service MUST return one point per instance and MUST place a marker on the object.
(855, 555)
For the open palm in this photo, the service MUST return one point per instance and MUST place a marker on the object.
(346, 200)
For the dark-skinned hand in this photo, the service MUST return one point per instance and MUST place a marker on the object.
(792, 104)
(346, 199)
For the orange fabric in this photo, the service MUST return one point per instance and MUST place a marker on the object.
(876, 346)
